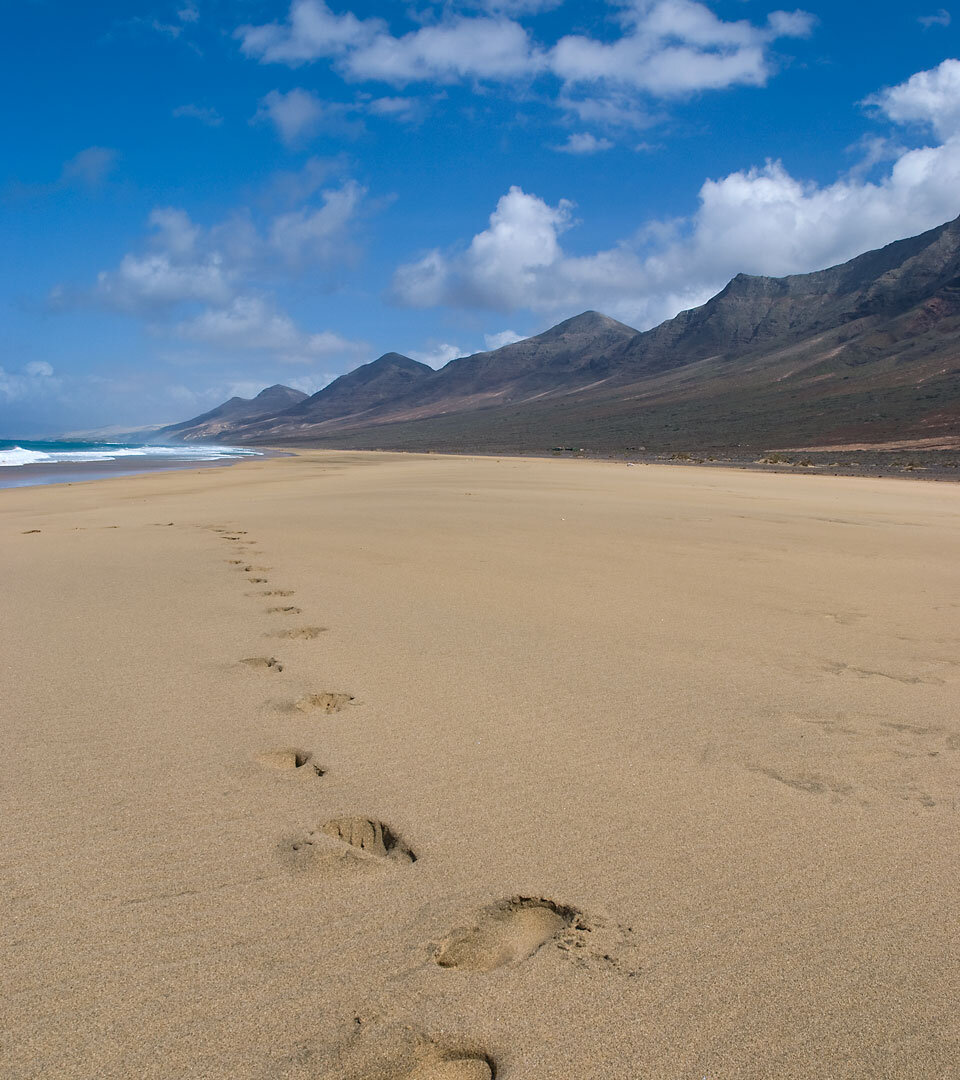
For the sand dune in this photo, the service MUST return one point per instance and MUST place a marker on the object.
(561, 770)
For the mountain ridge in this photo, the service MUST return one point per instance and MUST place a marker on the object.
(871, 345)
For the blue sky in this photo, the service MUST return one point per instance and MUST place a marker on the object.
(204, 197)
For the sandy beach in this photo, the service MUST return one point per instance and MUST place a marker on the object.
(392, 767)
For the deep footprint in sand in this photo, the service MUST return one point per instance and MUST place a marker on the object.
(266, 663)
(284, 610)
(258, 580)
(328, 701)
(370, 837)
(254, 569)
(345, 841)
(288, 760)
(305, 633)
(505, 934)
(277, 592)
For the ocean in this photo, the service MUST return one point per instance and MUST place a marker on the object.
(24, 463)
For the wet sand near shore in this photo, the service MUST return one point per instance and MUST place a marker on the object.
(388, 767)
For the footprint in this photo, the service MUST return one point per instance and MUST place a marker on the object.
(284, 611)
(306, 633)
(277, 592)
(236, 562)
(505, 934)
(264, 662)
(253, 569)
(258, 580)
(288, 759)
(27, 532)
(382, 1051)
(345, 841)
(370, 837)
(328, 702)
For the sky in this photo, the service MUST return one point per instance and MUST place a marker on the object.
(200, 198)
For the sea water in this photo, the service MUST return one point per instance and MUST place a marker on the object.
(25, 462)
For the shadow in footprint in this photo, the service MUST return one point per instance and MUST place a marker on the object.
(284, 611)
(265, 663)
(258, 580)
(505, 934)
(345, 842)
(305, 633)
(276, 592)
(292, 760)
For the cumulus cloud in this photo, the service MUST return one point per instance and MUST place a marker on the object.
(35, 380)
(437, 355)
(663, 48)
(672, 47)
(504, 337)
(318, 234)
(294, 114)
(156, 280)
(929, 99)
(204, 284)
(760, 220)
(311, 31)
(583, 142)
(252, 322)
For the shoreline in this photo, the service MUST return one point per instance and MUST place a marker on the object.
(43, 474)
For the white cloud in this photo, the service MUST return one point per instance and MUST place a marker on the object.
(318, 234)
(204, 114)
(582, 142)
(437, 355)
(929, 98)
(205, 284)
(189, 13)
(311, 31)
(461, 48)
(504, 337)
(90, 167)
(156, 280)
(941, 18)
(36, 380)
(674, 47)
(503, 261)
(760, 220)
(295, 114)
(400, 108)
(251, 322)
(663, 48)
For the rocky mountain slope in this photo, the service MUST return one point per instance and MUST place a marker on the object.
(231, 414)
(862, 352)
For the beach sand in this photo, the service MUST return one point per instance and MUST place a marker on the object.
(429, 768)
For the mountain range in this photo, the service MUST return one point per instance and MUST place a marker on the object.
(864, 352)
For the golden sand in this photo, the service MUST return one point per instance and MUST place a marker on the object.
(425, 768)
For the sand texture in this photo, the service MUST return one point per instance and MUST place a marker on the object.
(380, 767)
